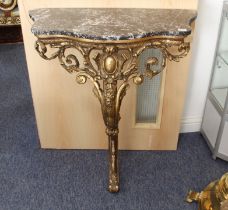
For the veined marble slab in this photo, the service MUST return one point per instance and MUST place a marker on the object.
(112, 23)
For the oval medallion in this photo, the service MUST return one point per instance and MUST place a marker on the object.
(110, 64)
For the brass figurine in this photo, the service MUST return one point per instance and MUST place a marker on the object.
(110, 65)
(213, 197)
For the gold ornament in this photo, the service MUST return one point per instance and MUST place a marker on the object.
(116, 65)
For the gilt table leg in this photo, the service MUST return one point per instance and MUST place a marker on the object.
(111, 120)
(113, 164)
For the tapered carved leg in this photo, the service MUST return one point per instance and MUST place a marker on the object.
(113, 164)
(111, 120)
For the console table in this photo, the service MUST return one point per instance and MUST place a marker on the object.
(107, 44)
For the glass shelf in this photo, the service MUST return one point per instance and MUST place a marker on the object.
(219, 95)
(224, 57)
(219, 83)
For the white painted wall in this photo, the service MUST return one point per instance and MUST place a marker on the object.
(204, 44)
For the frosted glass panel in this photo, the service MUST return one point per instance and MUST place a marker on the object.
(148, 94)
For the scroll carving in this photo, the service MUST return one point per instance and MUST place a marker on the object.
(112, 63)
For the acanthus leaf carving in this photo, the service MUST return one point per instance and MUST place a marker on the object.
(120, 61)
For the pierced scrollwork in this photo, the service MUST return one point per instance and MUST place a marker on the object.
(13, 20)
(116, 62)
(110, 66)
(69, 62)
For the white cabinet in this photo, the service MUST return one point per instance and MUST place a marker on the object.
(215, 120)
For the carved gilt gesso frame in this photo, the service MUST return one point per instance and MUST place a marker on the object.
(7, 18)
(110, 65)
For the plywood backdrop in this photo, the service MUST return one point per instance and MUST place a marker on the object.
(68, 115)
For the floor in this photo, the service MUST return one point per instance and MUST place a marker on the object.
(36, 179)
(10, 34)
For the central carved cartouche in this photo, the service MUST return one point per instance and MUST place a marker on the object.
(110, 64)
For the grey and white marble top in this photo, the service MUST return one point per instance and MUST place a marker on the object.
(112, 23)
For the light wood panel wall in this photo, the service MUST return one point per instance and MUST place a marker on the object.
(68, 115)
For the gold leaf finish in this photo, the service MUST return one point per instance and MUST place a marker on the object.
(110, 65)
(8, 6)
(81, 79)
(213, 197)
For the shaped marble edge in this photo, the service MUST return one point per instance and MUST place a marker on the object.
(112, 23)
